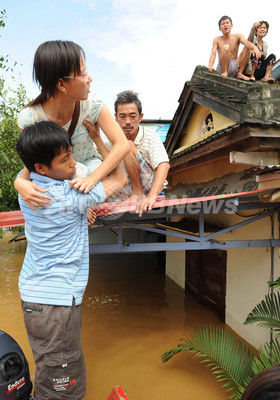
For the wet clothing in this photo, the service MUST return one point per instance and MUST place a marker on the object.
(84, 150)
(233, 68)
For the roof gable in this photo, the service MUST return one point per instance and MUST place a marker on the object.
(240, 101)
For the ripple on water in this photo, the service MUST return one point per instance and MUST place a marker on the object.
(112, 302)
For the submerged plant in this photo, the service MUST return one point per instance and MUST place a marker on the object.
(231, 362)
(228, 359)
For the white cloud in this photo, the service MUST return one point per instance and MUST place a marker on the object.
(160, 42)
(150, 46)
(145, 38)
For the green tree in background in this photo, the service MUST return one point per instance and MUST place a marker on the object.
(11, 102)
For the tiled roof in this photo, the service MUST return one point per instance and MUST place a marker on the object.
(246, 103)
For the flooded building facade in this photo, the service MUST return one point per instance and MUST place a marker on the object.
(224, 138)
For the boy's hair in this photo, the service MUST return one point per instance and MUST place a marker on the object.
(41, 142)
(223, 18)
(128, 96)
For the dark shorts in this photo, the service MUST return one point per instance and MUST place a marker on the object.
(54, 334)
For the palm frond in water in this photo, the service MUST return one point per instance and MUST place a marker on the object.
(227, 358)
(267, 313)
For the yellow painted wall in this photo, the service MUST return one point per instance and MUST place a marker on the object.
(175, 263)
(206, 172)
(248, 269)
(193, 132)
(192, 135)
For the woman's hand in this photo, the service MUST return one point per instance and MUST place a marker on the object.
(32, 194)
(83, 184)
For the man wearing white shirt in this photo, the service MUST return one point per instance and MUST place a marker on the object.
(147, 164)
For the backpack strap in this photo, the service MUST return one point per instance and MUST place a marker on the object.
(74, 121)
(75, 117)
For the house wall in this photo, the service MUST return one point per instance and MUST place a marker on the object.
(206, 172)
(175, 263)
(248, 271)
(193, 133)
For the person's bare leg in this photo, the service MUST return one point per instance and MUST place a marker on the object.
(133, 170)
(267, 76)
(224, 57)
(252, 77)
(243, 60)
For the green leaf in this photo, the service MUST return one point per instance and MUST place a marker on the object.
(275, 284)
(227, 358)
(269, 355)
(267, 313)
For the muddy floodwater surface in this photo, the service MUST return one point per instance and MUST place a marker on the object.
(132, 313)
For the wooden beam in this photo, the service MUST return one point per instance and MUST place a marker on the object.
(219, 106)
(259, 158)
(270, 143)
(269, 132)
(190, 160)
(179, 125)
(224, 144)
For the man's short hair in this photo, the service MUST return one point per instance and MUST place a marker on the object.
(223, 18)
(128, 96)
(41, 142)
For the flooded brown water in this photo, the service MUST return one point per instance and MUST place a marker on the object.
(132, 313)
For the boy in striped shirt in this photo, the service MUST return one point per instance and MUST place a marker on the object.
(55, 270)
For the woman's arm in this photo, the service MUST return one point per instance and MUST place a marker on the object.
(119, 150)
(31, 193)
(254, 28)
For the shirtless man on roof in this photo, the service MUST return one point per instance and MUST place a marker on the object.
(228, 45)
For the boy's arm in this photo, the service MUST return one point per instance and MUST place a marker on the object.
(249, 46)
(213, 55)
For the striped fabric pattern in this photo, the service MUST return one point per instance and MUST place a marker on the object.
(149, 143)
(56, 264)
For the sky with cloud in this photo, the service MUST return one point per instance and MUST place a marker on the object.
(150, 46)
